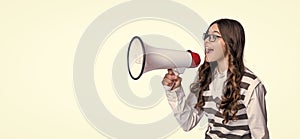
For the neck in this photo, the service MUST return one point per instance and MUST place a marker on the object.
(222, 64)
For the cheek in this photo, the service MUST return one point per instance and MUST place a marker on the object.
(221, 48)
(220, 51)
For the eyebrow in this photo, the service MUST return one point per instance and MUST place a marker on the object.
(217, 32)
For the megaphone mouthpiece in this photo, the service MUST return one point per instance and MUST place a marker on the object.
(195, 59)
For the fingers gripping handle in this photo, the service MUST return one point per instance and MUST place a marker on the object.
(177, 72)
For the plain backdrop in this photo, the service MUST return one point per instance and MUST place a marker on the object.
(38, 40)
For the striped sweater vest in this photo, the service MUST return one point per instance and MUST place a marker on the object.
(237, 129)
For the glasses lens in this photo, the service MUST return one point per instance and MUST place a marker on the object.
(213, 38)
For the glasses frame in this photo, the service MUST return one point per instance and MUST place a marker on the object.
(211, 37)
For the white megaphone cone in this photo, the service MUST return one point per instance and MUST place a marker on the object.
(142, 58)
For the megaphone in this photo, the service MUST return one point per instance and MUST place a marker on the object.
(142, 58)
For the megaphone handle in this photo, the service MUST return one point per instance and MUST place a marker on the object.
(177, 72)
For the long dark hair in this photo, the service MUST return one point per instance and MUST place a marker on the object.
(234, 37)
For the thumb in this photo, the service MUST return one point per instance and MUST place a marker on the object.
(177, 82)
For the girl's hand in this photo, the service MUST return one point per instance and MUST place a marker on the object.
(171, 80)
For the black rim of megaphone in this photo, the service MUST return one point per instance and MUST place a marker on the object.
(144, 58)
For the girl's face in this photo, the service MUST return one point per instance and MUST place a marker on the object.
(214, 45)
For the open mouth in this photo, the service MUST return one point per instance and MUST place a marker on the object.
(208, 50)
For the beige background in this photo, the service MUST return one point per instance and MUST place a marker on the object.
(38, 40)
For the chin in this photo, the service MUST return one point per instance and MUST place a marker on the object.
(209, 60)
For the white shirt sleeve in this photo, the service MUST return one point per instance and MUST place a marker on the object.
(183, 108)
(257, 113)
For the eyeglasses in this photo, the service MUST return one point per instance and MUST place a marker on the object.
(211, 37)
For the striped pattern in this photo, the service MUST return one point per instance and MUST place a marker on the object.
(238, 129)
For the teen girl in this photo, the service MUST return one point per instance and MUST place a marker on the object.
(229, 94)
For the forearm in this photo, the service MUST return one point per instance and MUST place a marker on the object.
(183, 108)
